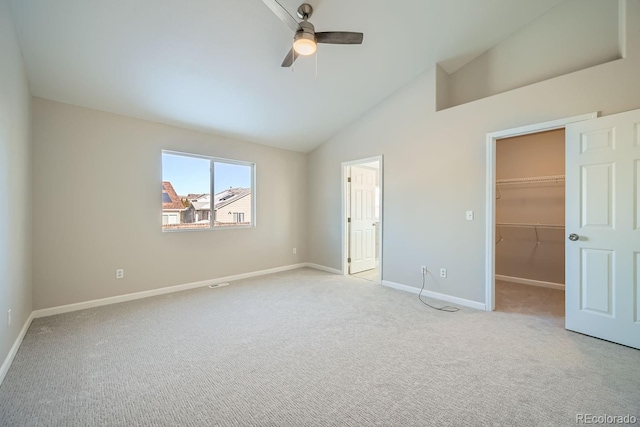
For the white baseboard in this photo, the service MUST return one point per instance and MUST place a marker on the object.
(530, 282)
(154, 292)
(14, 349)
(436, 295)
(323, 268)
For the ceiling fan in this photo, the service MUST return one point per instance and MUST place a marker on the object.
(306, 38)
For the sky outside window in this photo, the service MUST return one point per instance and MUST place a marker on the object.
(190, 175)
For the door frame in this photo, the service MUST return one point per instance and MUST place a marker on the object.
(345, 228)
(490, 201)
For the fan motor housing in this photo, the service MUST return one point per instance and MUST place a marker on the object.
(306, 28)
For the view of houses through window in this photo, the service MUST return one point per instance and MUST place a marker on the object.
(200, 192)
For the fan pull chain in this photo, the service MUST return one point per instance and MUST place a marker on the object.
(293, 53)
(316, 79)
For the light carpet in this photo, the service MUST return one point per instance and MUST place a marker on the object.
(307, 348)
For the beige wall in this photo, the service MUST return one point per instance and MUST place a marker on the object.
(15, 186)
(574, 35)
(435, 166)
(519, 254)
(538, 154)
(89, 164)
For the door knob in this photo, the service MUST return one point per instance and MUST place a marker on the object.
(573, 237)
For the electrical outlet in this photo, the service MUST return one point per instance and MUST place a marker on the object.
(295, 251)
(469, 215)
(423, 268)
(9, 317)
(443, 272)
(119, 273)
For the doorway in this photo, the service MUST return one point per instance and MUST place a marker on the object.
(493, 233)
(529, 228)
(602, 218)
(362, 219)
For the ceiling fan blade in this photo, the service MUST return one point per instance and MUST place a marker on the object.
(339, 37)
(282, 13)
(290, 58)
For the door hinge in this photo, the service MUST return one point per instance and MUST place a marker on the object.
(349, 179)
(349, 260)
(348, 219)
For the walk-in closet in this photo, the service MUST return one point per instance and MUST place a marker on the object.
(530, 203)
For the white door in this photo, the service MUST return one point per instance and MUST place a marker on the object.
(603, 213)
(362, 230)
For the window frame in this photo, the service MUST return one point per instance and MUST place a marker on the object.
(212, 160)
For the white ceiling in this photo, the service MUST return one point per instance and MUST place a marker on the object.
(214, 65)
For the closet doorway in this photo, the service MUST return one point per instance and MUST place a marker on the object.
(529, 225)
(362, 218)
(602, 217)
(518, 223)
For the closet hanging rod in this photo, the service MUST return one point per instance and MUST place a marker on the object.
(526, 225)
(531, 179)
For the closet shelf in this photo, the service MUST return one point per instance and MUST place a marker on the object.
(535, 228)
(527, 225)
(531, 180)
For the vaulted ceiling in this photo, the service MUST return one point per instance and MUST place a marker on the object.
(214, 65)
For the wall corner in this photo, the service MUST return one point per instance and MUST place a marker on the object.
(442, 87)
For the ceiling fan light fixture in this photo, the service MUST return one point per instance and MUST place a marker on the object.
(305, 39)
(305, 44)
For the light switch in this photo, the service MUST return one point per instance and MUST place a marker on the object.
(469, 215)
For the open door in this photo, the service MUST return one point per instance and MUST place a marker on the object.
(603, 228)
(362, 230)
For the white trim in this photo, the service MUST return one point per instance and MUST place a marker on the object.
(542, 127)
(436, 295)
(490, 200)
(531, 282)
(170, 289)
(343, 220)
(154, 292)
(361, 161)
(323, 268)
(343, 212)
(14, 349)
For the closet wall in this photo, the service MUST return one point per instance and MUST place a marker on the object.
(530, 213)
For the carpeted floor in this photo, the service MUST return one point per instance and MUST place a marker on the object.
(371, 275)
(534, 300)
(307, 348)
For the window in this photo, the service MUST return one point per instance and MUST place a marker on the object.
(238, 217)
(193, 186)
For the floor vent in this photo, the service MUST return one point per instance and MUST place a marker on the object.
(219, 285)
